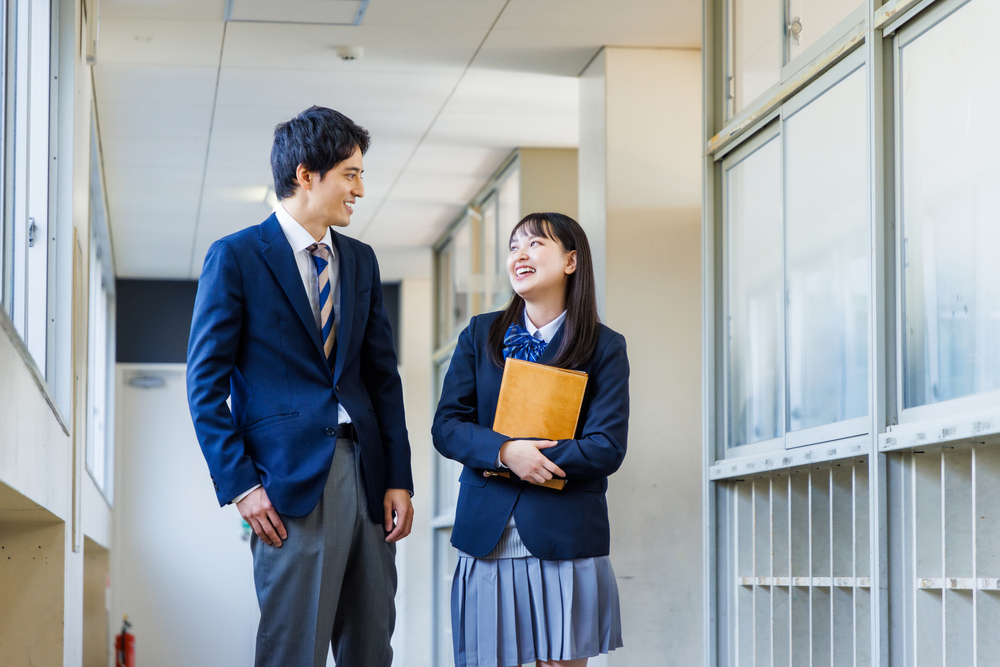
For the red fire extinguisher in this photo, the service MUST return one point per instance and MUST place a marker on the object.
(125, 646)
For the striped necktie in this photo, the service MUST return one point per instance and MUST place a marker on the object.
(322, 257)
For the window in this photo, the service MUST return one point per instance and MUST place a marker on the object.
(27, 238)
(854, 334)
(797, 259)
(756, 397)
(769, 41)
(827, 246)
(101, 338)
(949, 176)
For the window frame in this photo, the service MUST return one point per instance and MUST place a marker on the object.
(905, 31)
(788, 68)
(773, 128)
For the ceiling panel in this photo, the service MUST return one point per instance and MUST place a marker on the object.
(299, 11)
(160, 41)
(156, 120)
(397, 91)
(431, 188)
(138, 151)
(649, 23)
(440, 124)
(190, 10)
(410, 223)
(416, 16)
(160, 84)
(498, 91)
(386, 49)
(507, 129)
(446, 159)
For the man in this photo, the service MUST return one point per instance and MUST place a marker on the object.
(289, 322)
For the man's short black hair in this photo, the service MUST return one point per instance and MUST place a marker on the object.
(318, 139)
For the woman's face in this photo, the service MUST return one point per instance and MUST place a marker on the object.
(539, 267)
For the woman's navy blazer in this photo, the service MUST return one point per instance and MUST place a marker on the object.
(554, 525)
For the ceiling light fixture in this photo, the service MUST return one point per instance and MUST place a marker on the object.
(350, 52)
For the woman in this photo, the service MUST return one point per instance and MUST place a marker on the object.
(534, 581)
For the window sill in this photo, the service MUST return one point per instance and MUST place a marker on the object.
(36, 374)
(791, 458)
(969, 428)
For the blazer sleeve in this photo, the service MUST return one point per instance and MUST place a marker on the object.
(601, 448)
(380, 373)
(456, 431)
(215, 336)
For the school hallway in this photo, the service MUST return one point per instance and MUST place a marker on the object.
(791, 208)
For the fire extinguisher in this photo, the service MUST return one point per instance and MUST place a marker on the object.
(125, 646)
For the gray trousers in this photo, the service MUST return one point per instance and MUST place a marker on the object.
(332, 581)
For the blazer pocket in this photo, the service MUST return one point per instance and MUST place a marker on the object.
(472, 477)
(269, 421)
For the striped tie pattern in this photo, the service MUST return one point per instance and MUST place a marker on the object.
(322, 257)
(519, 344)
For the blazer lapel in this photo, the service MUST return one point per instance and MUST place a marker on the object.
(278, 255)
(347, 272)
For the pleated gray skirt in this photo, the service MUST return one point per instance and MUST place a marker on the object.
(511, 611)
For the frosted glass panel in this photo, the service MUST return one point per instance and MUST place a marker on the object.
(463, 288)
(756, 385)
(827, 246)
(816, 18)
(951, 207)
(756, 48)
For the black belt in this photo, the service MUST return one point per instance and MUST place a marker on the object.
(345, 430)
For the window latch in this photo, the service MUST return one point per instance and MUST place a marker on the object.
(795, 28)
(32, 228)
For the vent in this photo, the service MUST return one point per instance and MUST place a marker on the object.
(322, 12)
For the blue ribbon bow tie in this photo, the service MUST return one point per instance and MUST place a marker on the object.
(519, 344)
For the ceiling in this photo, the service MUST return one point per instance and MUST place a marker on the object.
(187, 105)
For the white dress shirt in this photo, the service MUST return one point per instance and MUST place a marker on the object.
(299, 239)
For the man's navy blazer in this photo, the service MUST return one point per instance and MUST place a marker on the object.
(254, 338)
(572, 523)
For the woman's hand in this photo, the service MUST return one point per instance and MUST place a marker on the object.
(525, 460)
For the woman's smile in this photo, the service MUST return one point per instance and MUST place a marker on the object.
(538, 265)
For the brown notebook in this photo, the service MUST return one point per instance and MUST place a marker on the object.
(539, 401)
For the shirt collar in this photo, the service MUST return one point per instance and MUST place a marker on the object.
(297, 235)
(547, 332)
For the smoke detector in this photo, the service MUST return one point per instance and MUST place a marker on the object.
(350, 52)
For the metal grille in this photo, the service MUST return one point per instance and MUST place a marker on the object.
(946, 576)
(801, 555)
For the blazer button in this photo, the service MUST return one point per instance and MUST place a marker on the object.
(337, 388)
(331, 431)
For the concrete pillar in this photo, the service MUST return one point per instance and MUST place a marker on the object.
(549, 181)
(640, 196)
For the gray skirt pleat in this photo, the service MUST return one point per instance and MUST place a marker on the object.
(511, 611)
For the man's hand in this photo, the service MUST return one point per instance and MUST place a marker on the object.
(257, 510)
(525, 459)
(397, 502)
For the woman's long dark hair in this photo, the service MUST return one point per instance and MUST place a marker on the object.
(580, 329)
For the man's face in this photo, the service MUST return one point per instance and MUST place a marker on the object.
(334, 195)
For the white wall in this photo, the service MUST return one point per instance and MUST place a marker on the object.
(412, 640)
(181, 569)
(645, 164)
